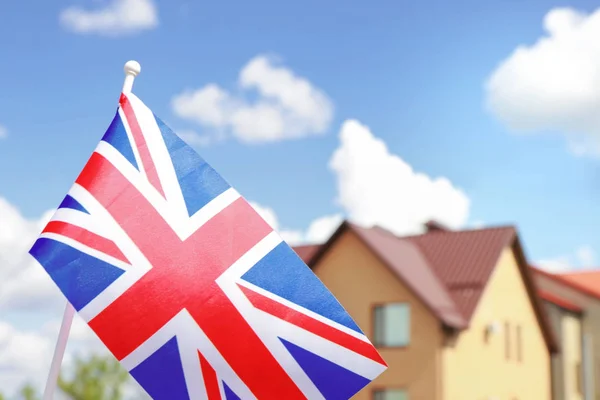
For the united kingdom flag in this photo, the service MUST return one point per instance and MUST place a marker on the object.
(189, 288)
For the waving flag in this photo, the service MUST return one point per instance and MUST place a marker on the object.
(187, 285)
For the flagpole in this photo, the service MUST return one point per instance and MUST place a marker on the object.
(59, 351)
(132, 69)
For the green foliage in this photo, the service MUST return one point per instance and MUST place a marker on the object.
(28, 392)
(97, 378)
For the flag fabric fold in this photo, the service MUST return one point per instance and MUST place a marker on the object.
(187, 286)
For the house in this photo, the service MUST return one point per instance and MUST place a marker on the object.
(573, 304)
(566, 321)
(455, 314)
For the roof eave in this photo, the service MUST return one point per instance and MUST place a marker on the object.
(454, 320)
(530, 285)
(562, 280)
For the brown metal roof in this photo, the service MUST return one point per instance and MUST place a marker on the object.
(407, 262)
(307, 251)
(464, 260)
(447, 270)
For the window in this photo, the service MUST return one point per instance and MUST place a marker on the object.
(507, 340)
(519, 344)
(390, 394)
(579, 378)
(392, 325)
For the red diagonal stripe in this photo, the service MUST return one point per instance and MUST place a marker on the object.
(140, 143)
(183, 277)
(86, 238)
(312, 325)
(210, 379)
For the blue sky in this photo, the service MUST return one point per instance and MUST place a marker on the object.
(410, 76)
(414, 74)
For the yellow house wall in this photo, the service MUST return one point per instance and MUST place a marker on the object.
(474, 369)
(360, 281)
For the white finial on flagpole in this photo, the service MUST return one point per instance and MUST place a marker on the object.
(132, 69)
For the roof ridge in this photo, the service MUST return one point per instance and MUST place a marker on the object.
(579, 272)
(308, 245)
(441, 232)
(486, 228)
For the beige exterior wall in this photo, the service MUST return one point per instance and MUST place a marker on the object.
(566, 379)
(360, 281)
(555, 317)
(590, 327)
(571, 350)
(476, 368)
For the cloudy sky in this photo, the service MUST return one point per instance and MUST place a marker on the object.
(472, 113)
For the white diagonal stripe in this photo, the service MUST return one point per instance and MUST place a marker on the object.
(303, 310)
(160, 155)
(192, 338)
(87, 250)
(207, 212)
(271, 341)
(82, 220)
(133, 144)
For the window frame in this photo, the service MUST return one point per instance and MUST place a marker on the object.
(377, 390)
(507, 341)
(519, 342)
(579, 377)
(382, 345)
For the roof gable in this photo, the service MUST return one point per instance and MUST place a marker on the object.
(464, 260)
(407, 262)
(448, 270)
(306, 252)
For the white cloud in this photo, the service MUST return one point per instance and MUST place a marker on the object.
(584, 257)
(209, 105)
(195, 139)
(24, 358)
(29, 296)
(79, 332)
(322, 228)
(378, 187)
(118, 17)
(556, 265)
(318, 231)
(554, 84)
(3, 132)
(25, 355)
(267, 214)
(476, 224)
(25, 285)
(287, 106)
